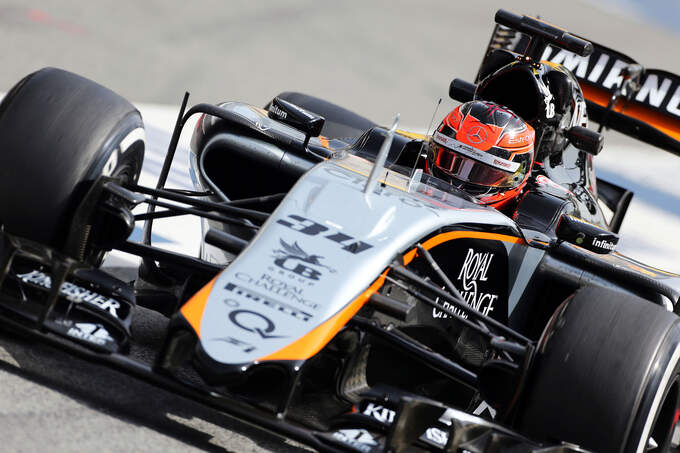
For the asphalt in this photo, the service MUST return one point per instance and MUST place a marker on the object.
(377, 58)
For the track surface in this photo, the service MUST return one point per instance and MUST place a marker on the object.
(377, 59)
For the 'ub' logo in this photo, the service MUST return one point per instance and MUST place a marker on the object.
(292, 258)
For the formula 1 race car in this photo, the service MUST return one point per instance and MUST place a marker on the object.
(343, 296)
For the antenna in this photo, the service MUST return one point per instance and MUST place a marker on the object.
(380, 160)
(420, 152)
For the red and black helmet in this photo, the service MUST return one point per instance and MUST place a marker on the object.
(484, 149)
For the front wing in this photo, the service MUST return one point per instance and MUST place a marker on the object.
(60, 300)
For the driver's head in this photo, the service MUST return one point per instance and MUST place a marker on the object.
(484, 149)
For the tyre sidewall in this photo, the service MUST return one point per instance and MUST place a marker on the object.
(664, 374)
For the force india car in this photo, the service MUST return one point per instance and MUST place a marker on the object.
(342, 296)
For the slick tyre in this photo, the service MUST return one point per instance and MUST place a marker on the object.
(606, 375)
(340, 122)
(58, 133)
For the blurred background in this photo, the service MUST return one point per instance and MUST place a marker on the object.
(374, 57)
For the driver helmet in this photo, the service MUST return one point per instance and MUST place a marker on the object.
(484, 149)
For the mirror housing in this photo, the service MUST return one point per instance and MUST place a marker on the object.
(585, 139)
(584, 234)
(462, 91)
(297, 117)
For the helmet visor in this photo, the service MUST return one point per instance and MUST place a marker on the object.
(470, 171)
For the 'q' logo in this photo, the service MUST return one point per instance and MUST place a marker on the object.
(476, 135)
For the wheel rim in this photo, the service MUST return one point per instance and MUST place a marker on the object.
(124, 173)
(665, 433)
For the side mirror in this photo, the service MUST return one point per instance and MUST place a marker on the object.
(462, 91)
(584, 234)
(297, 117)
(586, 139)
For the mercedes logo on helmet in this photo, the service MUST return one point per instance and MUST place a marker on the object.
(476, 135)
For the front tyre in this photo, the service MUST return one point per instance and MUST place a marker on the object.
(606, 375)
(59, 132)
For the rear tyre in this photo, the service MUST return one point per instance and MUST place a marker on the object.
(58, 133)
(606, 375)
